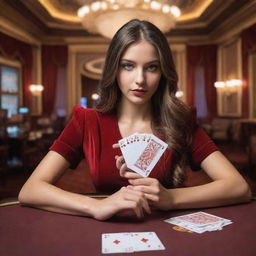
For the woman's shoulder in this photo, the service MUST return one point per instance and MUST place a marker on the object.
(89, 114)
(78, 109)
(82, 112)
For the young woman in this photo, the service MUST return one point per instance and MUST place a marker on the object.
(137, 94)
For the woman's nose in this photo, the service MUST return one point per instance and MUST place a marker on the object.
(140, 76)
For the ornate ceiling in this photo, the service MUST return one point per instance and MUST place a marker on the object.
(55, 21)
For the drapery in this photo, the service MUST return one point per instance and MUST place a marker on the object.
(53, 58)
(248, 44)
(206, 56)
(14, 49)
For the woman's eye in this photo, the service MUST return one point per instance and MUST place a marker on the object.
(152, 68)
(127, 66)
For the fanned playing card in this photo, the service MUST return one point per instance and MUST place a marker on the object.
(141, 152)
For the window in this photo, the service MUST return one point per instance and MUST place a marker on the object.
(200, 100)
(9, 89)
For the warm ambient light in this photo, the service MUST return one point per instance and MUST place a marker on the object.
(228, 84)
(95, 96)
(107, 16)
(36, 88)
(179, 94)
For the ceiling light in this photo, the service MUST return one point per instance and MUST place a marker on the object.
(107, 16)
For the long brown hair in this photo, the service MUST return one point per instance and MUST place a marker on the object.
(171, 117)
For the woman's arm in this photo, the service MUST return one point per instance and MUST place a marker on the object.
(40, 192)
(227, 187)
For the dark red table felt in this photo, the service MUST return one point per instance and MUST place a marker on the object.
(28, 231)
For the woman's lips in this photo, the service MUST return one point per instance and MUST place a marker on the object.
(138, 92)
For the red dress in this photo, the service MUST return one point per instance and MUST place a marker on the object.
(91, 134)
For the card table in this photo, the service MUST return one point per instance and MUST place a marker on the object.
(29, 231)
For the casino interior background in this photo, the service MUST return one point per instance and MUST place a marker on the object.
(49, 62)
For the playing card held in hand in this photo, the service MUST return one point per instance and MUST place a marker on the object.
(142, 151)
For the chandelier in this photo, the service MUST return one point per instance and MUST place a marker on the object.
(107, 16)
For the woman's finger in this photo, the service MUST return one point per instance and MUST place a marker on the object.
(135, 202)
(132, 175)
(149, 192)
(143, 199)
(146, 206)
(152, 197)
(123, 169)
(119, 161)
(127, 173)
(141, 181)
(144, 189)
(116, 145)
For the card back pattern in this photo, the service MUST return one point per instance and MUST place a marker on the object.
(148, 155)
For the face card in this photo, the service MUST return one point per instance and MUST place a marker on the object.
(148, 158)
(146, 241)
(116, 243)
(127, 152)
(141, 152)
(132, 146)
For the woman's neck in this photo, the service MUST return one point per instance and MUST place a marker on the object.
(134, 113)
(134, 119)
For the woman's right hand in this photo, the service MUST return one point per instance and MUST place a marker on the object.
(124, 199)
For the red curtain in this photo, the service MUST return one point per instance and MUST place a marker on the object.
(53, 57)
(248, 44)
(206, 56)
(14, 49)
(192, 60)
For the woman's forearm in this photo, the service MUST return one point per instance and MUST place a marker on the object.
(48, 197)
(216, 193)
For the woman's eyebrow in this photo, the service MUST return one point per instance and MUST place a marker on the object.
(127, 60)
(152, 61)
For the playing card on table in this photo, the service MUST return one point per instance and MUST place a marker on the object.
(199, 222)
(130, 242)
(146, 241)
(116, 243)
(141, 152)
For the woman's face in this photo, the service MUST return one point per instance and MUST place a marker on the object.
(139, 73)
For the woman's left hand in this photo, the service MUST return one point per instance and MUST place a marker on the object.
(158, 196)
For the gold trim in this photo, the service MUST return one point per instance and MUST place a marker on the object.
(251, 82)
(8, 203)
(49, 6)
(197, 12)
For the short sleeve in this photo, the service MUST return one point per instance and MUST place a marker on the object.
(202, 147)
(70, 142)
